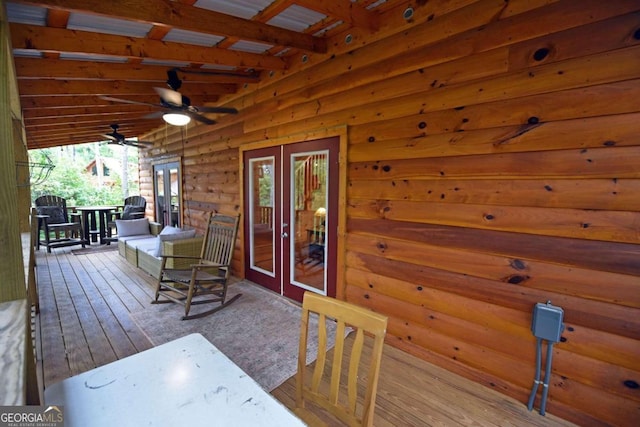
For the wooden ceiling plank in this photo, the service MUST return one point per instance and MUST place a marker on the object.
(43, 122)
(95, 132)
(60, 103)
(62, 40)
(43, 114)
(98, 128)
(351, 13)
(118, 88)
(35, 68)
(177, 15)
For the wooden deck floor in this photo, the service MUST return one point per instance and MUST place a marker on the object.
(84, 322)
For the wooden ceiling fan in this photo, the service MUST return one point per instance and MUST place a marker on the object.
(172, 101)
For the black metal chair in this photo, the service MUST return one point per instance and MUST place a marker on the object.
(55, 228)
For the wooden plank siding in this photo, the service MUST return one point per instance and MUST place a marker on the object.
(493, 162)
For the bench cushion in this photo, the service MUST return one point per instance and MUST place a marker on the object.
(132, 227)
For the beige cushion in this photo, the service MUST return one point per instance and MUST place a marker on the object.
(173, 234)
(132, 227)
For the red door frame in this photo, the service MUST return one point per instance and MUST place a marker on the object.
(282, 215)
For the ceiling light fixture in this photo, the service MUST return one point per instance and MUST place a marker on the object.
(176, 119)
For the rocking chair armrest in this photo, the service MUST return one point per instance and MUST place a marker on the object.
(180, 256)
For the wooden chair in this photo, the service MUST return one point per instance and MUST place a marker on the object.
(133, 208)
(349, 409)
(206, 281)
(54, 227)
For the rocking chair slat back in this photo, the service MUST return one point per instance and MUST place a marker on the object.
(220, 239)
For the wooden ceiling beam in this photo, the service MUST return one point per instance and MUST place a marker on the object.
(96, 133)
(178, 15)
(60, 103)
(69, 140)
(98, 124)
(117, 88)
(126, 127)
(62, 40)
(72, 69)
(346, 11)
(49, 123)
(101, 110)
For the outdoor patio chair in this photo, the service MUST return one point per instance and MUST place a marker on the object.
(133, 208)
(206, 281)
(55, 228)
(350, 409)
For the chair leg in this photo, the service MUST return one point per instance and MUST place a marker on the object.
(187, 303)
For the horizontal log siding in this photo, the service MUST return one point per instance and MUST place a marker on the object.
(493, 163)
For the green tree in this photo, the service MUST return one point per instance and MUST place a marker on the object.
(69, 179)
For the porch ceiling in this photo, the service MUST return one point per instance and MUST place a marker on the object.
(69, 53)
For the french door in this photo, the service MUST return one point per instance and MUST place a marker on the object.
(168, 193)
(291, 217)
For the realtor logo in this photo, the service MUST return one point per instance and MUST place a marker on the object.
(31, 416)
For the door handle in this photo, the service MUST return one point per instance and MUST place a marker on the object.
(285, 235)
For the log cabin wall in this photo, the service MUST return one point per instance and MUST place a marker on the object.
(493, 163)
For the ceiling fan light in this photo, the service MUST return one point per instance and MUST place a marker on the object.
(176, 119)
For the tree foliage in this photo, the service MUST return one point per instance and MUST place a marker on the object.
(70, 180)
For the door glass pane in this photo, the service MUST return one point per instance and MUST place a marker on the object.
(174, 202)
(309, 216)
(261, 204)
(160, 196)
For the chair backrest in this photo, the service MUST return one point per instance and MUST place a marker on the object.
(136, 201)
(134, 207)
(45, 205)
(364, 321)
(220, 239)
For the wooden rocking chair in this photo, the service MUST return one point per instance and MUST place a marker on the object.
(206, 281)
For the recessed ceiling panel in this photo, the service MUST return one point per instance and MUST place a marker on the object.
(27, 53)
(75, 56)
(103, 24)
(246, 9)
(218, 67)
(297, 18)
(26, 14)
(191, 37)
(167, 63)
(252, 47)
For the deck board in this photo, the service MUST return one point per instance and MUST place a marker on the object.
(84, 321)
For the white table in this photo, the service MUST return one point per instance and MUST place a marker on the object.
(186, 382)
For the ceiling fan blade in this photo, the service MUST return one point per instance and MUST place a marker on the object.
(127, 101)
(200, 118)
(109, 136)
(223, 110)
(136, 144)
(169, 96)
(155, 115)
(134, 141)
